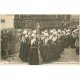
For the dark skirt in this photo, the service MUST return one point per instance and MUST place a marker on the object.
(24, 51)
(46, 54)
(77, 50)
(62, 43)
(59, 49)
(53, 51)
(72, 42)
(33, 56)
(66, 43)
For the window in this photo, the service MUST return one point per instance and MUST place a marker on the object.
(2, 20)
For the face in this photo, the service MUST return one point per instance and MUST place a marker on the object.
(23, 37)
(3, 31)
(63, 33)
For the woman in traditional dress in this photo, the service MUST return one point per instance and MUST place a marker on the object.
(12, 40)
(73, 39)
(33, 52)
(46, 48)
(62, 40)
(51, 47)
(67, 39)
(41, 44)
(23, 48)
(77, 41)
(54, 47)
(27, 46)
(59, 45)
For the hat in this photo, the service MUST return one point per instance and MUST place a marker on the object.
(26, 35)
(46, 34)
(25, 31)
(34, 31)
(29, 33)
(63, 32)
(43, 33)
(51, 31)
(67, 31)
(33, 35)
(55, 33)
(19, 30)
(59, 31)
(75, 30)
(46, 31)
(54, 30)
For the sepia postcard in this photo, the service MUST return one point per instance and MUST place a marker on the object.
(39, 39)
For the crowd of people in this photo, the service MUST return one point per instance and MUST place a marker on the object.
(48, 45)
(34, 47)
(9, 39)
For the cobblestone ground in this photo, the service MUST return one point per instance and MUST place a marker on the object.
(69, 55)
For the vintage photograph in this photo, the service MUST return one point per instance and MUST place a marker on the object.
(39, 39)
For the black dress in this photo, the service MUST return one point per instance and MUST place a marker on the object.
(59, 48)
(46, 52)
(33, 54)
(54, 50)
(66, 43)
(62, 40)
(28, 44)
(41, 48)
(22, 54)
(72, 41)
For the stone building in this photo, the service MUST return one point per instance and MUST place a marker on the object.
(45, 21)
